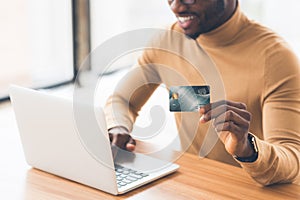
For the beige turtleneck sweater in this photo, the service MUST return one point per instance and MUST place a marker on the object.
(249, 64)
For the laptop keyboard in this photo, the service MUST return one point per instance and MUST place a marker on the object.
(127, 176)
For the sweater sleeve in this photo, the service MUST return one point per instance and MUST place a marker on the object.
(279, 151)
(131, 93)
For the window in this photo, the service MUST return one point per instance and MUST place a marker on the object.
(36, 43)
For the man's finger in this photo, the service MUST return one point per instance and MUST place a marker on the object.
(230, 115)
(212, 114)
(230, 127)
(130, 146)
(214, 105)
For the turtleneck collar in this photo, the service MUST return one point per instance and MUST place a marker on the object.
(225, 33)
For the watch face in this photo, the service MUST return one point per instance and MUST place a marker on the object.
(252, 141)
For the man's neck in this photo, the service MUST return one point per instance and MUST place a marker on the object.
(231, 8)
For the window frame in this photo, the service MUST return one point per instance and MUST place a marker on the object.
(80, 37)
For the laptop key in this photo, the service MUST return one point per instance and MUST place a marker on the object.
(118, 174)
(126, 172)
(126, 176)
(141, 174)
(137, 176)
(126, 181)
(123, 175)
(131, 178)
(122, 184)
(144, 175)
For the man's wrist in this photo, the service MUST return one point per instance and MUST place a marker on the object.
(254, 155)
(118, 129)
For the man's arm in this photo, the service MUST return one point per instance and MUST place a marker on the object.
(130, 95)
(278, 159)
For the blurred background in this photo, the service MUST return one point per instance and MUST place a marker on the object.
(43, 42)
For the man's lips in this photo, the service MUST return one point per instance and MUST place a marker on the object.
(185, 21)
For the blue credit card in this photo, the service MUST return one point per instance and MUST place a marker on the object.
(188, 98)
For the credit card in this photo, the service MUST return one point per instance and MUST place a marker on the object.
(188, 98)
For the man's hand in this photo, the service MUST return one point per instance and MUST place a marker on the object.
(119, 137)
(231, 121)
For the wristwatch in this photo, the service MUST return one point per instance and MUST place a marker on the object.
(253, 144)
(118, 129)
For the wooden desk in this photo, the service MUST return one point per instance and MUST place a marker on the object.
(196, 179)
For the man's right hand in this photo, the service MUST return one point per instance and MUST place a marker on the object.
(119, 137)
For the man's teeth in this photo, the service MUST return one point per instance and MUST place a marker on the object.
(184, 19)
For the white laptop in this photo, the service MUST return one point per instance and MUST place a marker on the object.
(52, 143)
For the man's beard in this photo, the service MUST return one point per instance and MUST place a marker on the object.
(220, 7)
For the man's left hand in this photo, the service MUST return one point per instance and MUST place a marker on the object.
(232, 122)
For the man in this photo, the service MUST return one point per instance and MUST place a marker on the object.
(258, 124)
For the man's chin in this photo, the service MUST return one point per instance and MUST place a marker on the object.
(192, 35)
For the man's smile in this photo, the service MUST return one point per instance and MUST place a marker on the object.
(186, 21)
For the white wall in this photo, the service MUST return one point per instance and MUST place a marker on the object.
(109, 18)
(281, 16)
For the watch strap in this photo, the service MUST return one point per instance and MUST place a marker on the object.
(253, 144)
